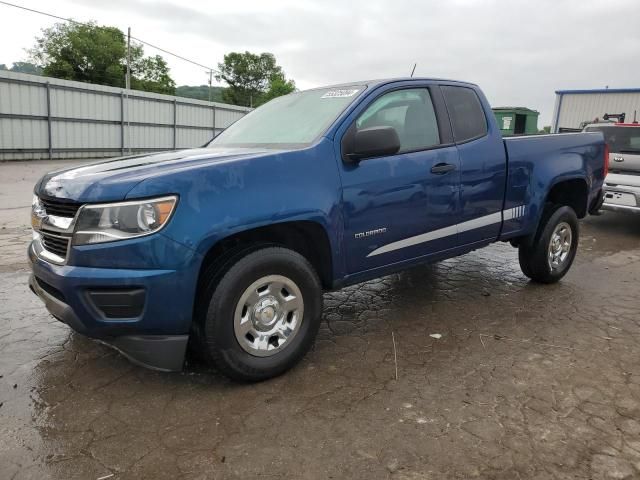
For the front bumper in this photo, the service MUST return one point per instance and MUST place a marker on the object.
(145, 314)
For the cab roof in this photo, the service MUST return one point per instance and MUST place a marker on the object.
(384, 81)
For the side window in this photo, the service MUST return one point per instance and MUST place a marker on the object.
(467, 117)
(410, 112)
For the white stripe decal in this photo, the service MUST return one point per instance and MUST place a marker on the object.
(508, 214)
(409, 242)
(515, 212)
(480, 222)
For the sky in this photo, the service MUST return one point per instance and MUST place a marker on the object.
(519, 52)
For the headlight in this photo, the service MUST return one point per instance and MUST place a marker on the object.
(37, 213)
(122, 220)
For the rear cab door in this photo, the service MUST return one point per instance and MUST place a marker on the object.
(483, 164)
(401, 206)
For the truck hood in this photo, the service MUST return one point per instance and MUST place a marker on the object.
(111, 180)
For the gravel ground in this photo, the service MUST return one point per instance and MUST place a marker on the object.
(497, 378)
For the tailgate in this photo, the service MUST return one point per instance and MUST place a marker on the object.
(625, 162)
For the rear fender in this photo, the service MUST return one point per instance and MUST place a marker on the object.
(538, 164)
(571, 190)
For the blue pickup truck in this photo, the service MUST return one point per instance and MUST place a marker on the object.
(228, 248)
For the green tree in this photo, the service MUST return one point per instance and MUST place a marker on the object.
(26, 67)
(86, 53)
(22, 67)
(97, 54)
(151, 74)
(200, 92)
(252, 79)
(278, 86)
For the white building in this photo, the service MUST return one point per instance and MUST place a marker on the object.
(573, 107)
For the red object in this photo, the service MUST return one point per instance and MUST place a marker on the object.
(618, 124)
(606, 159)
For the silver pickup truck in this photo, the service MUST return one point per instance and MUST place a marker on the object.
(622, 185)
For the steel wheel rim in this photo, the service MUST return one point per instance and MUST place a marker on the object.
(559, 245)
(268, 315)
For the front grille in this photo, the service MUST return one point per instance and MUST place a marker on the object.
(59, 208)
(55, 244)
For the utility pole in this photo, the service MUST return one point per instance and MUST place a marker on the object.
(128, 87)
(210, 83)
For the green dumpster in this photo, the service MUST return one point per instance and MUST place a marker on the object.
(516, 120)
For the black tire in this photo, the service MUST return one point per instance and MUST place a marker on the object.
(222, 289)
(534, 257)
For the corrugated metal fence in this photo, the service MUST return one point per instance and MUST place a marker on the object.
(43, 117)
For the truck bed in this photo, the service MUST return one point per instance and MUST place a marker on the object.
(536, 163)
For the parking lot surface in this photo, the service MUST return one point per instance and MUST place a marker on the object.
(497, 378)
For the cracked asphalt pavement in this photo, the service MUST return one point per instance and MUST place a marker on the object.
(525, 381)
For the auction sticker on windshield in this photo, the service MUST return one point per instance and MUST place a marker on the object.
(344, 92)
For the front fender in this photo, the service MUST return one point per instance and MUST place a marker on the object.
(224, 199)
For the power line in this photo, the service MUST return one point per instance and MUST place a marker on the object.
(174, 54)
(38, 11)
(86, 24)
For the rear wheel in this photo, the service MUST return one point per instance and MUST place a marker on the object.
(554, 248)
(260, 316)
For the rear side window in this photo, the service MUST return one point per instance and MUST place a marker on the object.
(410, 112)
(467, 117)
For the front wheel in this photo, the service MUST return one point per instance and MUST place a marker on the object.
(261, 315)
(554, 248)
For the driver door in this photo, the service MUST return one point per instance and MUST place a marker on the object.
(406, 205)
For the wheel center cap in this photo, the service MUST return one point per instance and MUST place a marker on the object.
(266, 312)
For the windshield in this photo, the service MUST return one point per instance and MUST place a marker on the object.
(294, 120)
(620, 139)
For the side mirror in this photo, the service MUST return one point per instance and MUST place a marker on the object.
(372, 142)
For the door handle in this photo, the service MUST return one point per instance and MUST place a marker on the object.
(442, 168)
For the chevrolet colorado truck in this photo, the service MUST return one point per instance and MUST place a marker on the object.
(228, 248)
